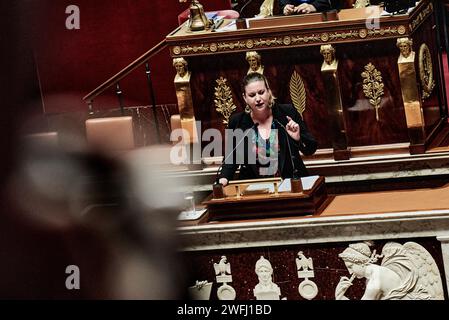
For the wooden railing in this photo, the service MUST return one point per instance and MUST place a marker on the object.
(125, 71)
(115, 81)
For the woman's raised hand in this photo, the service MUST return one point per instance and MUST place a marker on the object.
(293, 129)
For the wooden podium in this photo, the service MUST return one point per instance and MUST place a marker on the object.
(250, 205)
(343, 111)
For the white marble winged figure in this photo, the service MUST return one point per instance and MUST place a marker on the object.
(303, 262)
(407, 272)
(222, 268)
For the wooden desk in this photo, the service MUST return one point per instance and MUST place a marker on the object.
(265, 205)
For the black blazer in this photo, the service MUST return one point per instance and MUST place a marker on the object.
(307, 144)
(320, 5)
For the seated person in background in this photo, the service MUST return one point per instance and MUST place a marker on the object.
(274, 129)
(289, 7)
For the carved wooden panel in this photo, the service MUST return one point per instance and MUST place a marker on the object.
(431, 106)
(360, 115)
(286, 50)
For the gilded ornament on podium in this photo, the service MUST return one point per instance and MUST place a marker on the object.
(223, 99)
(426, 71)
(361, 3)
(373, 86)
(298, 92)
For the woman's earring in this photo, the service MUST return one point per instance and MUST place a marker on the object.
(247, 109)
(271, 102)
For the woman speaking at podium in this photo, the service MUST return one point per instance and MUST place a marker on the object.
(288, 7)
(274, 134)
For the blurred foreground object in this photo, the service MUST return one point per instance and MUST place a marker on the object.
(113, 218)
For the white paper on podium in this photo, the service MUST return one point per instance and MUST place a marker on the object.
(191, 215)
(307, 183)
(285, 185)
(229, 27)
(262, 187)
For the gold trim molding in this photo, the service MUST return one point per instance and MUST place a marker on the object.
(289, 41)
(426, 71)
(223, 99)
(373, 86)
(421, 17)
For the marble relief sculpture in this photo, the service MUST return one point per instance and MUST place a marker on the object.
(406, 272)
(303, 263)
(307, 288)
(223, 273)
(201, 290)
(266, 289)
(222, 268)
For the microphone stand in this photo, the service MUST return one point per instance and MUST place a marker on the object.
(244, 6)
(217, 186)
(241, 22)
(295, 181)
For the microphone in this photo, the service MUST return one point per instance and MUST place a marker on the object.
(295, 181)
(217, 184)
(295, 171)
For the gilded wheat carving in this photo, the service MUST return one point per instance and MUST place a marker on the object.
(298, 92)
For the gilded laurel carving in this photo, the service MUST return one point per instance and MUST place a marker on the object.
(286, 41)
(298, 92)
(426, 71)
(383, 32)
(373, 86)
(223, 99)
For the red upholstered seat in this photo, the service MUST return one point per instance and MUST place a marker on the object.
(228, 14)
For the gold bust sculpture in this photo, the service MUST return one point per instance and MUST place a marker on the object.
(328, 52)
(255, 62)
(182, 73)
(405, 47)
